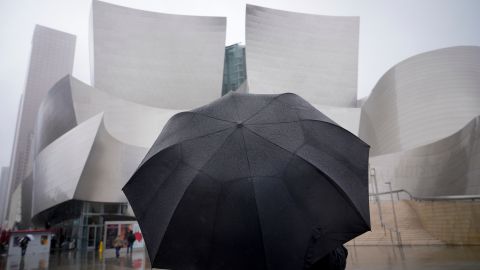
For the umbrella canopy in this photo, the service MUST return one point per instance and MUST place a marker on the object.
(250, 182)
(30, 237)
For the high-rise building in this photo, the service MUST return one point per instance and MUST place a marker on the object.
(51, 59)
(234, 68)
(3, 194)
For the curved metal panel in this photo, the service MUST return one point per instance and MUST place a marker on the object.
(51, 58)
(107, 150)
(109, 166)
(162, 60)
(311, 55)
(450, 166)
(422, 99)
(131, 123)
(71, 101)
(58, 167)
(55, 116)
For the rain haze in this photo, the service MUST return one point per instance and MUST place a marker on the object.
(390, 31)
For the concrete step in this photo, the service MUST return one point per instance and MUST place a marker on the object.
(409, 225)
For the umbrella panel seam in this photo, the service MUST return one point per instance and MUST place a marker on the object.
(256, 203)
(327, 176)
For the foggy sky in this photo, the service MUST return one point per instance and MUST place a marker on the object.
(390, 31)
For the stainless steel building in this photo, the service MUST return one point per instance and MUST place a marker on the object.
(313, 56)
(450, 166)
(51, 59)
(109, 136)
(161, 60)
(422, 122)
(87, 141)
(422, 99)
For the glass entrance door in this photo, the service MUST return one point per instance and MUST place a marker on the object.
(94, 236)
(91, 237)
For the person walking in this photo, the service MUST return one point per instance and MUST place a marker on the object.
(131, 240)
(117, 244)
(24, 244)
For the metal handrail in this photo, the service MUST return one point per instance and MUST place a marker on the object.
(430, 198)
(393, 191)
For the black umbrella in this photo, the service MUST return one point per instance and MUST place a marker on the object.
(250, 182)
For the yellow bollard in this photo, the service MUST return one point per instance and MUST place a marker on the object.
(100, 247)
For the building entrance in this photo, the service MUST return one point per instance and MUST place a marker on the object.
(94, 236)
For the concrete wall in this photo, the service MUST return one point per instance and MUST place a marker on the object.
(454, 222)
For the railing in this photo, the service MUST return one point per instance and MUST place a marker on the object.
(395, 230)
(430, 198)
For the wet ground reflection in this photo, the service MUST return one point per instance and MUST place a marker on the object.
(77, 260)
(413, 257)
(360, 258)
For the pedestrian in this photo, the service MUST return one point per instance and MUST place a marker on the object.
(117, 244)
(24, 244)
(335, 260)
(131, 240)
(53, 243)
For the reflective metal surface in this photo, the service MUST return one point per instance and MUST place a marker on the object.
(295, 52)
(128, 122)
(107, 147)
(58, 168)
(347, 118)
(162, 60)
(110, 164)
(450, 166)
(51, 58)
(422, 99)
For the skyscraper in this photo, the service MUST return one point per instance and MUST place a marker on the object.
(51, 58)
(234, 68)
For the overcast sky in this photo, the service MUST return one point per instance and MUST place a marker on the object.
(390, 31)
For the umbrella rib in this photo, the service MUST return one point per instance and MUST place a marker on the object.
(256, 206)
(329, 177)
(235, 102)
(194, 138)
(263, 108)
(160, 186)
(213, 154)
(209, 116)
(309, 120)
(246, 154)
(181, 161)
(212, 238)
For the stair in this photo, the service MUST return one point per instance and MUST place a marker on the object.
(409, 225)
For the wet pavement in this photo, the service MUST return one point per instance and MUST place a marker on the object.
(414, 258)
(360, 258)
